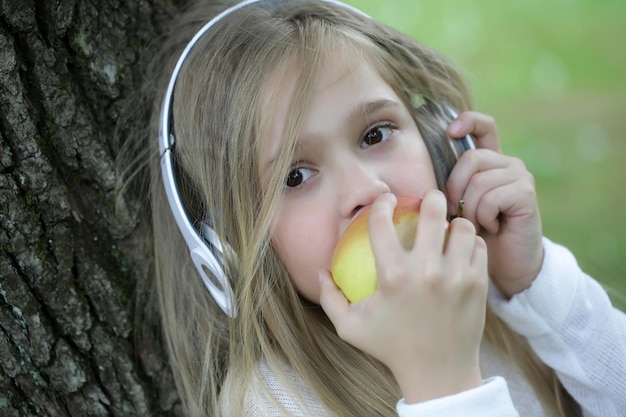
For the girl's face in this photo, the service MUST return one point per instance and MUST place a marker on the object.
(358, 141)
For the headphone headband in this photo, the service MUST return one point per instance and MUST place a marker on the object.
(205, 248)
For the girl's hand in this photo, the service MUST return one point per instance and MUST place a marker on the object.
(500, 199)
(426, 318)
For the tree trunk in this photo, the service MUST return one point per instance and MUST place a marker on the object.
(70, 263)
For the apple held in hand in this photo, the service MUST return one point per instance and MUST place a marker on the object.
(353, 266)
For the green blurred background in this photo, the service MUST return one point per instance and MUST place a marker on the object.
(553, 74)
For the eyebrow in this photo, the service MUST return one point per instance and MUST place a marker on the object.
(360, 112)
(365, 109)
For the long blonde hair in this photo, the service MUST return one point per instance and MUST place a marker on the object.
(218, 120)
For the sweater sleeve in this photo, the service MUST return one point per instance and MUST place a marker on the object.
(489, 400)
(571, 325)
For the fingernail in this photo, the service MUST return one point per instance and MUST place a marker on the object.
(455, 127)
(320, 277)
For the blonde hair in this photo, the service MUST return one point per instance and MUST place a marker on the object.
(218, 122)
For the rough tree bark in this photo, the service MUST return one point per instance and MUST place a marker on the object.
(70, 264)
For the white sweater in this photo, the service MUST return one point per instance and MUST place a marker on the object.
(570, 324)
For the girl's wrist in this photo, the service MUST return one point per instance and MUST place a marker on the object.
(425, 385)
(512, 287)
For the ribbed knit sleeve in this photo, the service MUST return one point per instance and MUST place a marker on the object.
(571, 325)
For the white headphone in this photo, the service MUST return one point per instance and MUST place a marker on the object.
(205, 247)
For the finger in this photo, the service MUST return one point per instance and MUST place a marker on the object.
(466, 169)
(383, 236)
(459, 251)
(482, 126)
(431, 226)
(482, 183)
(480, 263)
(332, 300)
(460, 246)
(511, 201)
(479, 259)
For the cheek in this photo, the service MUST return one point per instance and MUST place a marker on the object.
(304, 243)
(413, 159)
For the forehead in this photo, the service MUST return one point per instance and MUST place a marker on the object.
(275, 110)
(292, 88)
(298, 71)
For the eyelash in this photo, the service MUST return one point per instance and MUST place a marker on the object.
(294, 170)
(297, 170)
(384, 125)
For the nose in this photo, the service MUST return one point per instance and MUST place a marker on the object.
(359, 184)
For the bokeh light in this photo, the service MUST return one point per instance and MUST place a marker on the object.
(553, 74)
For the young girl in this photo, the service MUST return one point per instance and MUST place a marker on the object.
(281, 122)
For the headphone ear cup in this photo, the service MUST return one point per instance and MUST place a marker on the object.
(433, 120)
(437, 142)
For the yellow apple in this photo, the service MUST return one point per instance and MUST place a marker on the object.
(353, 266)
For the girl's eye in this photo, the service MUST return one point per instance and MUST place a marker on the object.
(377, 134)
(297, 176)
